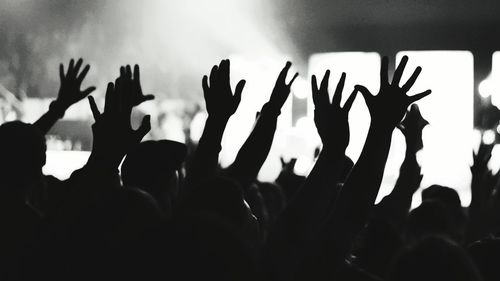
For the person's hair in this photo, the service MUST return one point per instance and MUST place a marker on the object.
(23, 149)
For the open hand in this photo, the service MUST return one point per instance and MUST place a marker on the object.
(133, 82)
(112, 130)
(331, 120)
(219, 98)
(388, 107)
(71, 82)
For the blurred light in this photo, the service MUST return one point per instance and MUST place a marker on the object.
(303, 165)
(448, 139)
(300, 88)
(489, 136)
(197, 125)
(62, 163)
(485, 88)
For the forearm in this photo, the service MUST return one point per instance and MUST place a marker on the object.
(395, 206)
(255, 150)
(358, 194)
(47, 121)
(206, 158)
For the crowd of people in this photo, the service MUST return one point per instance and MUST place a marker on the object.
(161, 210)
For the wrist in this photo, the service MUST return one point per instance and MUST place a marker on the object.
(269, 109)
(380, 128)
(332, 151)
(57, 108)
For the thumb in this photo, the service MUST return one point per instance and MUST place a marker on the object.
(144, 128)
(93, 108)
(365, 92)
(239, 90)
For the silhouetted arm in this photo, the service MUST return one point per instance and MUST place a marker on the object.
(69, 94)
(356, 199)
(482, 186)
(255, 150)
(113, 135)
(395, 206)
(221, 105)
(300, 223)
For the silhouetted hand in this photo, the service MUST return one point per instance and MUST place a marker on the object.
(219, 98)
(281, 90)
(388, 107)
(331, 120)
(483, 181)
(481, 159)
(411, 127)
(133, 80)
(112, 130)
(71, 81)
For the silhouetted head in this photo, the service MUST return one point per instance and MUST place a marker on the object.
(198, 246)
(22, 148)
(486, 254)
(450, 199)
(274, 199)
(376, 246)
(430, 218)
(153, 166)
(224, 198)
(433, 258)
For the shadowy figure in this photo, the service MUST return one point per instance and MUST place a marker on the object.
(434, 258)
(356, 198)
(23, 151)
(154, 166)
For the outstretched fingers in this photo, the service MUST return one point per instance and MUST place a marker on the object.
(412, 79)
(350, 100)
(399, 71)
(419, 96)
(337, 96)
(93, 108)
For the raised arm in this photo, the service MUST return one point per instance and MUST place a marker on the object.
(356, 199)
(221, 105)
(69, 94)
(113, 135)
(482, 189)
(299, 225)
(395, 206)
(319, 190)
(254, 151)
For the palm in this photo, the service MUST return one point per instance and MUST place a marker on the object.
(388, 107)
(331, 120)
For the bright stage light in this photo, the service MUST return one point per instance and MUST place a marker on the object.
(300, 88)
(448, 139)
(489, 137)
(61, 164)
(485, 88)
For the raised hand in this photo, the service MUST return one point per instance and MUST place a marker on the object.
(112, 130)
(331, 120)
(219, 98)
(133, 81)
(69, 94)
(71, 82)
(388, 107)
(281, 90)
(411, 127)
